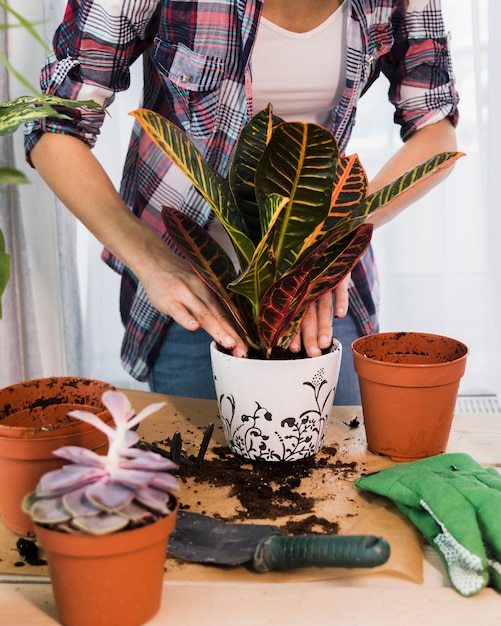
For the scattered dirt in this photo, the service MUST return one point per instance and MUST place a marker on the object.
(269, 490)
(28, 550)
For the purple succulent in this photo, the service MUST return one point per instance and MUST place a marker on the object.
(96, 494)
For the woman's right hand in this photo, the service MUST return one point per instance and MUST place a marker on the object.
(67, 165)
(174, 289)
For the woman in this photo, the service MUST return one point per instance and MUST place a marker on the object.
(208, 66)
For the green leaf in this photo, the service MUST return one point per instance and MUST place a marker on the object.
(407, 181)
(4, 269)
(27, 108)
(298, 163)
(11, 176)
(261, 271)
(215, 189)
(251, 143)
(284, 305)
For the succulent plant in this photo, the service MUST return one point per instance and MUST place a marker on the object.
(99, 494)
(296, 212)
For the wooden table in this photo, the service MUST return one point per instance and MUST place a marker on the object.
(344, 601)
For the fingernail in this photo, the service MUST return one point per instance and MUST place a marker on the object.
(229, 342)
(325, 341)
(241, 353)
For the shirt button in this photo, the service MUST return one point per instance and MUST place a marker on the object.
(185, 78)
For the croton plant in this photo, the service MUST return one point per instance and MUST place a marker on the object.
(296, 212)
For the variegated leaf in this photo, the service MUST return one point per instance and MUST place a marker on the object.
(241, 177)
(174, 143)
(28, 108)
(298, 163)
(261, 271)
(278, 310)
(284, 304)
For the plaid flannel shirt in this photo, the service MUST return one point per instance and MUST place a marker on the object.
(197, 73)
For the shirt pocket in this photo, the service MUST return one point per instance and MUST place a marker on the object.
(380, 40)
(193, 81)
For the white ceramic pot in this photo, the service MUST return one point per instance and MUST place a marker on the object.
(275, 410)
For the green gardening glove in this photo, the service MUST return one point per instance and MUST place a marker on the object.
(456, 504)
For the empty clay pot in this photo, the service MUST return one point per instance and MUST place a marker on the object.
(408, 385)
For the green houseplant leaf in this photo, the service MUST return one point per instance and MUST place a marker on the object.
(4, 269)
(295, 211)
(28, 108)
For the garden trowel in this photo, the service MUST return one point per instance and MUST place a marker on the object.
(202, 539)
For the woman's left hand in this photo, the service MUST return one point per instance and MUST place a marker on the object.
(315, 333)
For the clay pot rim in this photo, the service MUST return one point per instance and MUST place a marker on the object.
(391, 335)
(8, 430)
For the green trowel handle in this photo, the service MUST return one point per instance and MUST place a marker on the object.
(277, 551)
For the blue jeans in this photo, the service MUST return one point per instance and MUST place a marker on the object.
(183, 366)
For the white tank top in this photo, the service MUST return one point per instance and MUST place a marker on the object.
(301, 74)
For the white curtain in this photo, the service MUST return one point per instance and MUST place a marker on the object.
(434, 259)
(41, 331)
(437, 261)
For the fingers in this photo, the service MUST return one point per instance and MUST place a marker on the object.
(316, 327)
(315, 332)
(186, 299)
(341, 298)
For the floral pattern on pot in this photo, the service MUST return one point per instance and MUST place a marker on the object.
(283, 414)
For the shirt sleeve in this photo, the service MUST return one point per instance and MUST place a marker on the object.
(94, 47)
(419, 68)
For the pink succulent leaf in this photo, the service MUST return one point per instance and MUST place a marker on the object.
(137, 514)
(145, 459)
(131, 477)
(100, 524)
(109, 495)
(148, 410)
(67, 478)
(166, 482)
(154, 499)
(131, 438)
(81, 456)
(93, 420)
(76, 503)
(119, 406)
(49, 511)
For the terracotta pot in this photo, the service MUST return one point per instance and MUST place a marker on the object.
(112, 580)
(275, 410)
(34, 423)
(408, 385)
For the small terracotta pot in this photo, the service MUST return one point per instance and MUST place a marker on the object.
(34, 423)
(408, 385)
(107, 580)
(275, 410)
